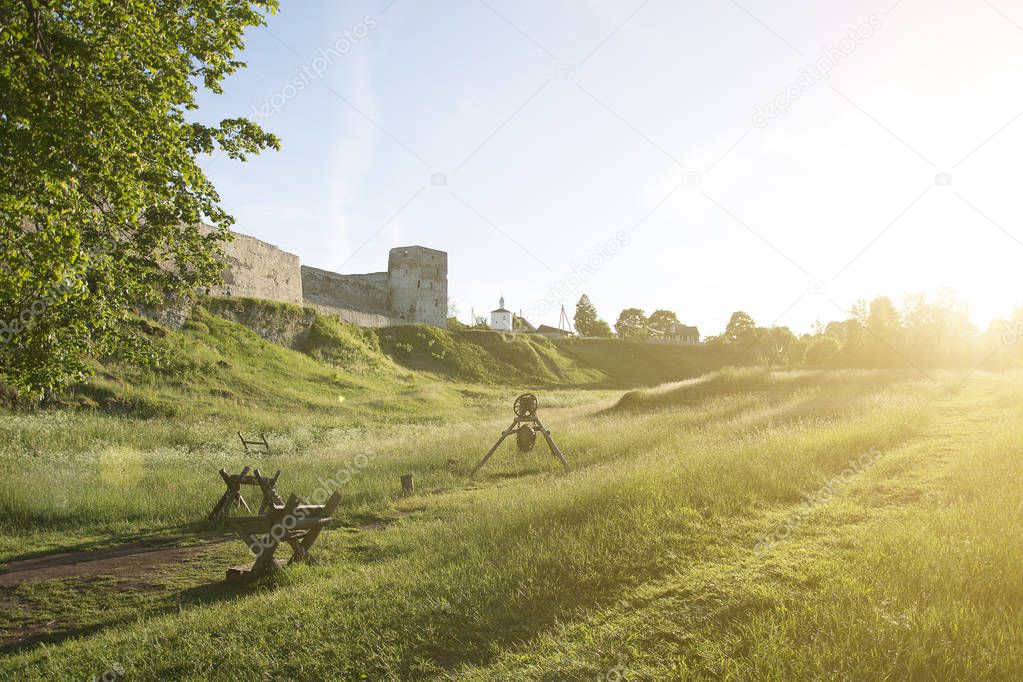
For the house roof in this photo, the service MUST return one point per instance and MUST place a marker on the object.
(684, 330)
(524, 322)
(547, 329)
(500, 310)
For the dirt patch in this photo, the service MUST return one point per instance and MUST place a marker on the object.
(135, 575)
(132, 560)
(93, 580)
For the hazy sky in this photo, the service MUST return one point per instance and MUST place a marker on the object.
(783, 158)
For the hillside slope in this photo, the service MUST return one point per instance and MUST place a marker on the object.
(263, 364)
(477, 356)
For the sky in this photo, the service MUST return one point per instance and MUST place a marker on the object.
(781, 158)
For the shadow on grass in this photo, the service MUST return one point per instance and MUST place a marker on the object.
(27, 634)
(127, 543)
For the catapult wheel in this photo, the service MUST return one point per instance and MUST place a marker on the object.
(525, 405)
(525, 437)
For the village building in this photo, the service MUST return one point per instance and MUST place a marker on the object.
(682, 334)
(500, 318)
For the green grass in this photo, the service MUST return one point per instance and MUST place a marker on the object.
(745, 525)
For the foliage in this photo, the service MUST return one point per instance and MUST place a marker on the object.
(631, 324)
(662, 321)
(585, 317)
(740, 324)
(821, 350)
(925, 333)
(586, 321)
(601, 330)
(101, 192)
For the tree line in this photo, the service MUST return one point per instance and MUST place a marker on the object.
(632, 323)
(922, 332)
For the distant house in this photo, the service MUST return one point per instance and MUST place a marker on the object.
(551, 332)
(682, 334)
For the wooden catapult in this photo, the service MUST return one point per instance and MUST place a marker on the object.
(297, 525)
(525, 426)
(234, 498)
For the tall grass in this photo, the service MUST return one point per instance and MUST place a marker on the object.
(482, 574)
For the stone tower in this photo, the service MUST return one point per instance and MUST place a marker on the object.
(417, 279)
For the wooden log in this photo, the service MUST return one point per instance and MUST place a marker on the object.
(408, 485)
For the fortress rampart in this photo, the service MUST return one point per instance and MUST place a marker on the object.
(414, 289)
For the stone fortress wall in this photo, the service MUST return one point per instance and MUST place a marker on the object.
(256, 269)
(414, 289)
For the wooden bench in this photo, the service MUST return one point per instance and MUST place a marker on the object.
(298, 525)
(234, 498)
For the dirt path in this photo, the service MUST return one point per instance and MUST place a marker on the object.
(142, 567)
(137, 567)
(133, 560)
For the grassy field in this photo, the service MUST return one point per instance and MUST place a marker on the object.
(743, 525)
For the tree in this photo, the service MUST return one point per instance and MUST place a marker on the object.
(101, 191)
(601, 330)
(585, 316)
(662, 321)
(821, 350)
(631, 324)
(739, 326)
(884, 334)
(883, 319)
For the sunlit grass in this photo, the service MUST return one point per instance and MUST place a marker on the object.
(648, 559)
(524, 569)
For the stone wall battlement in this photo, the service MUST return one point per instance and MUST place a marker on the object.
(414, 289)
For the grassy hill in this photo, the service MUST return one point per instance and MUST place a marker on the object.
(792, 525)
(745, 523)
(259, 361)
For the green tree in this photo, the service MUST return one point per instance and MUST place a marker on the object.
(101, 192)
(585, 316)
(739, 327)
(661, 321)
(601, 330)
(821, 350)
(631, 324)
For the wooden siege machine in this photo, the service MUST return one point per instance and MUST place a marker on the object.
(275, 523)
(525, 426)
